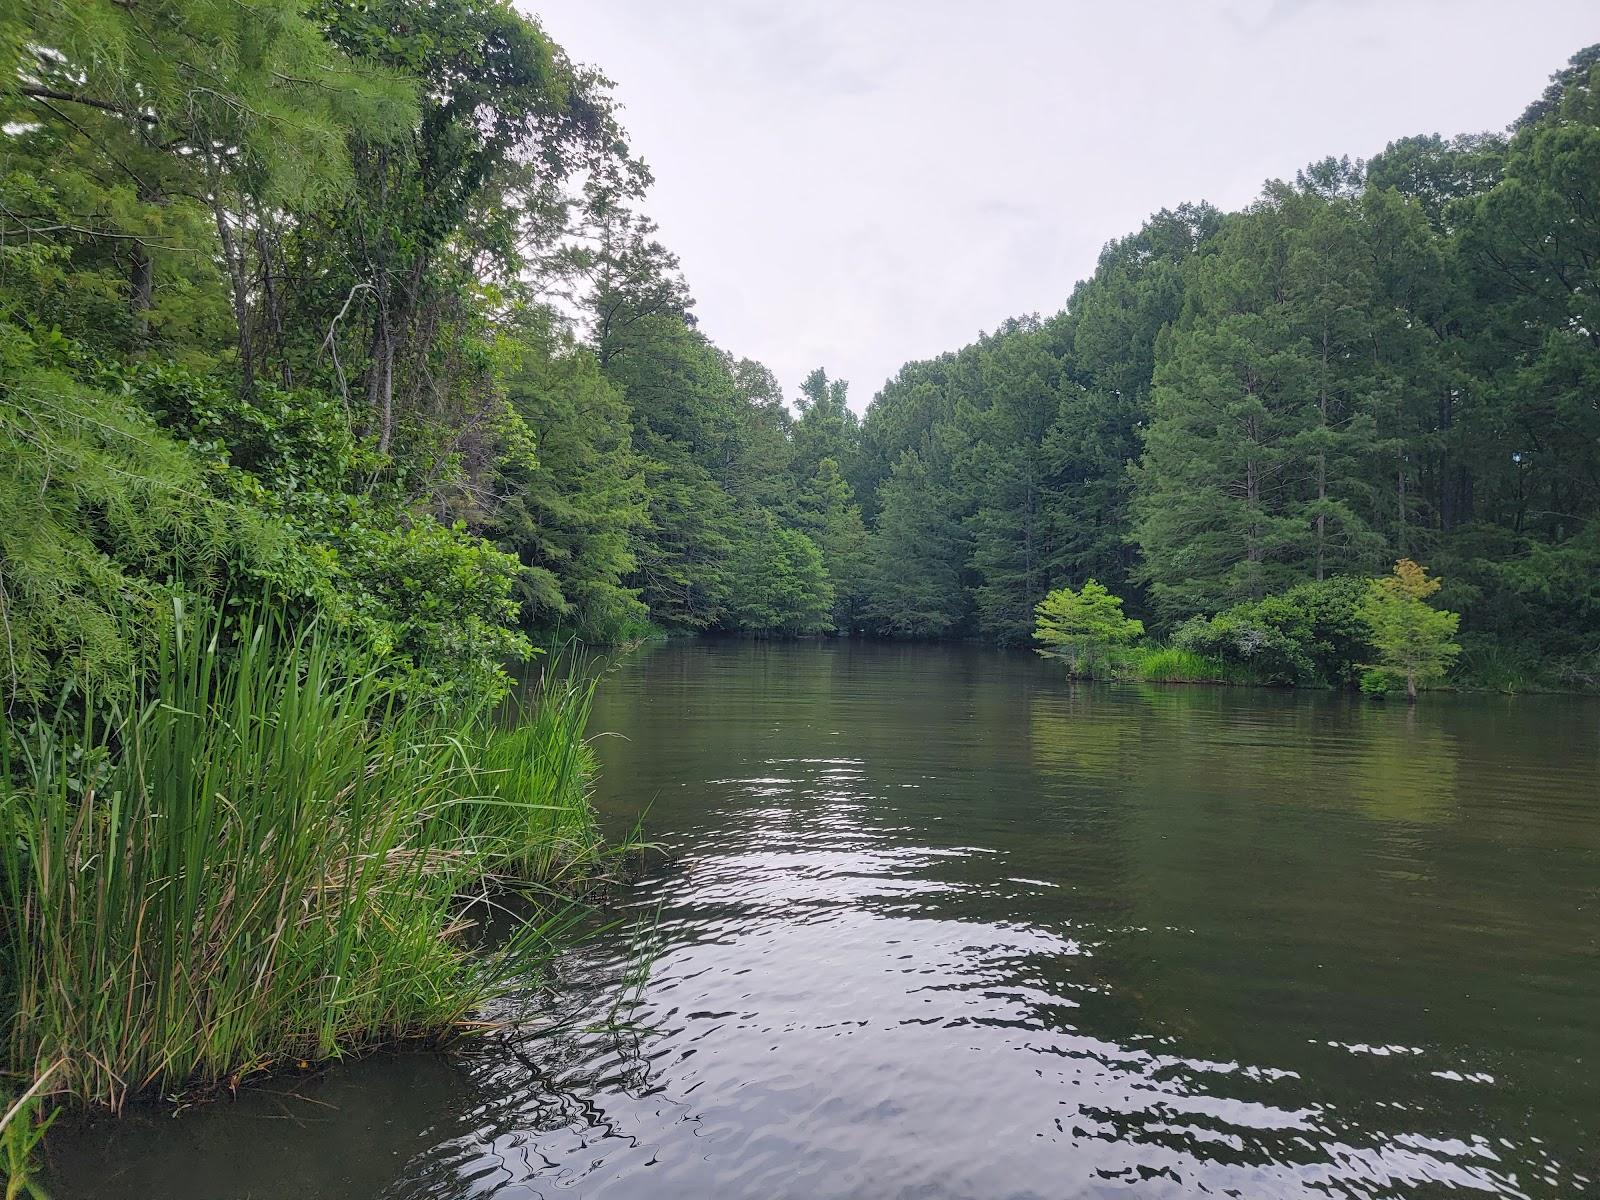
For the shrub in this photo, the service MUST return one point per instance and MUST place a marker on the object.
(1377, 683)
(1240, 637)
(1311, 633)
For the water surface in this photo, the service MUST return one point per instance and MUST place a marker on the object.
(938, 924)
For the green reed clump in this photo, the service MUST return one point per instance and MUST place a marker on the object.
(536, 770)
(263, 857)
(1168, 664)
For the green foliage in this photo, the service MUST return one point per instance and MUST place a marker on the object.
(1311, 633)
(1173, 664)
(435, 601)
(829, 516)
(536, 772)
(780, 584)
(572, 515)
(1413, 639)
(259, 855)
(24, 1121)
(1369, 363)
(913, 586)
(1377, 683)
(106, 520)
(1082, 625)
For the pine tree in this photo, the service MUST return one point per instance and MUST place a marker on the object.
(778, 583)
(914, 587)
(571, 515)
(1004, 476)
(830, 517)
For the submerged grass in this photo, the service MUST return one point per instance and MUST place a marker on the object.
(266, 857)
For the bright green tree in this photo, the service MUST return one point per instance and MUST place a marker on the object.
(1414, 640)
(1081, 626)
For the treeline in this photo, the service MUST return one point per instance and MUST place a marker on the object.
(1397, 359)
(354, 307)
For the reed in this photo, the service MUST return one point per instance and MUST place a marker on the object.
(532, 812)
(1168, 664)
(265, 857)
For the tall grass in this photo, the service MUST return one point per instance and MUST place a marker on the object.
(1497, 668)
(264, 857)
(1168, 664)
(533, 813)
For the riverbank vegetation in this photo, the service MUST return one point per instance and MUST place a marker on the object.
(286, 309)
(288, 438)
(1381, 633)
(263, 855)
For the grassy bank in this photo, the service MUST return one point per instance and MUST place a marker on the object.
(266, 857)
(1169, 664)
(1156, 663)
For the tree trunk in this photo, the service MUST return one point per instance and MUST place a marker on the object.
(141, 291)
(1400, 500)
(380, 380)
(142, 278)
(239, 284)
(272, 300)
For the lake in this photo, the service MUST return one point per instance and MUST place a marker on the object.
(936, 923)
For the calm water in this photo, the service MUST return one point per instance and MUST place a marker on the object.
(938, 924)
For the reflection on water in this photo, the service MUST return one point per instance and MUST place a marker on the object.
(939, 924)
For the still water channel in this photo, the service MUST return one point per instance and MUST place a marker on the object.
(936, 924)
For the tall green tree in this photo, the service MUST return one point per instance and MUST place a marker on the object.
(830, 517)
(825, 428)
(914, 587)
(572, 511)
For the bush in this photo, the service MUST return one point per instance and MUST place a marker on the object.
(1312, 633)
(1377, 683)
(434, 599)
(1241, 638)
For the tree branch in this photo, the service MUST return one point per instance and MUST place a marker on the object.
(34, 92)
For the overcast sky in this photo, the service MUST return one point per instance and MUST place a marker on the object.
(854, 183)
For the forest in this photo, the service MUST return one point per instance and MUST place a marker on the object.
(356, 310)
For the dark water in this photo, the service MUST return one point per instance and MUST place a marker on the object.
(939, 925)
